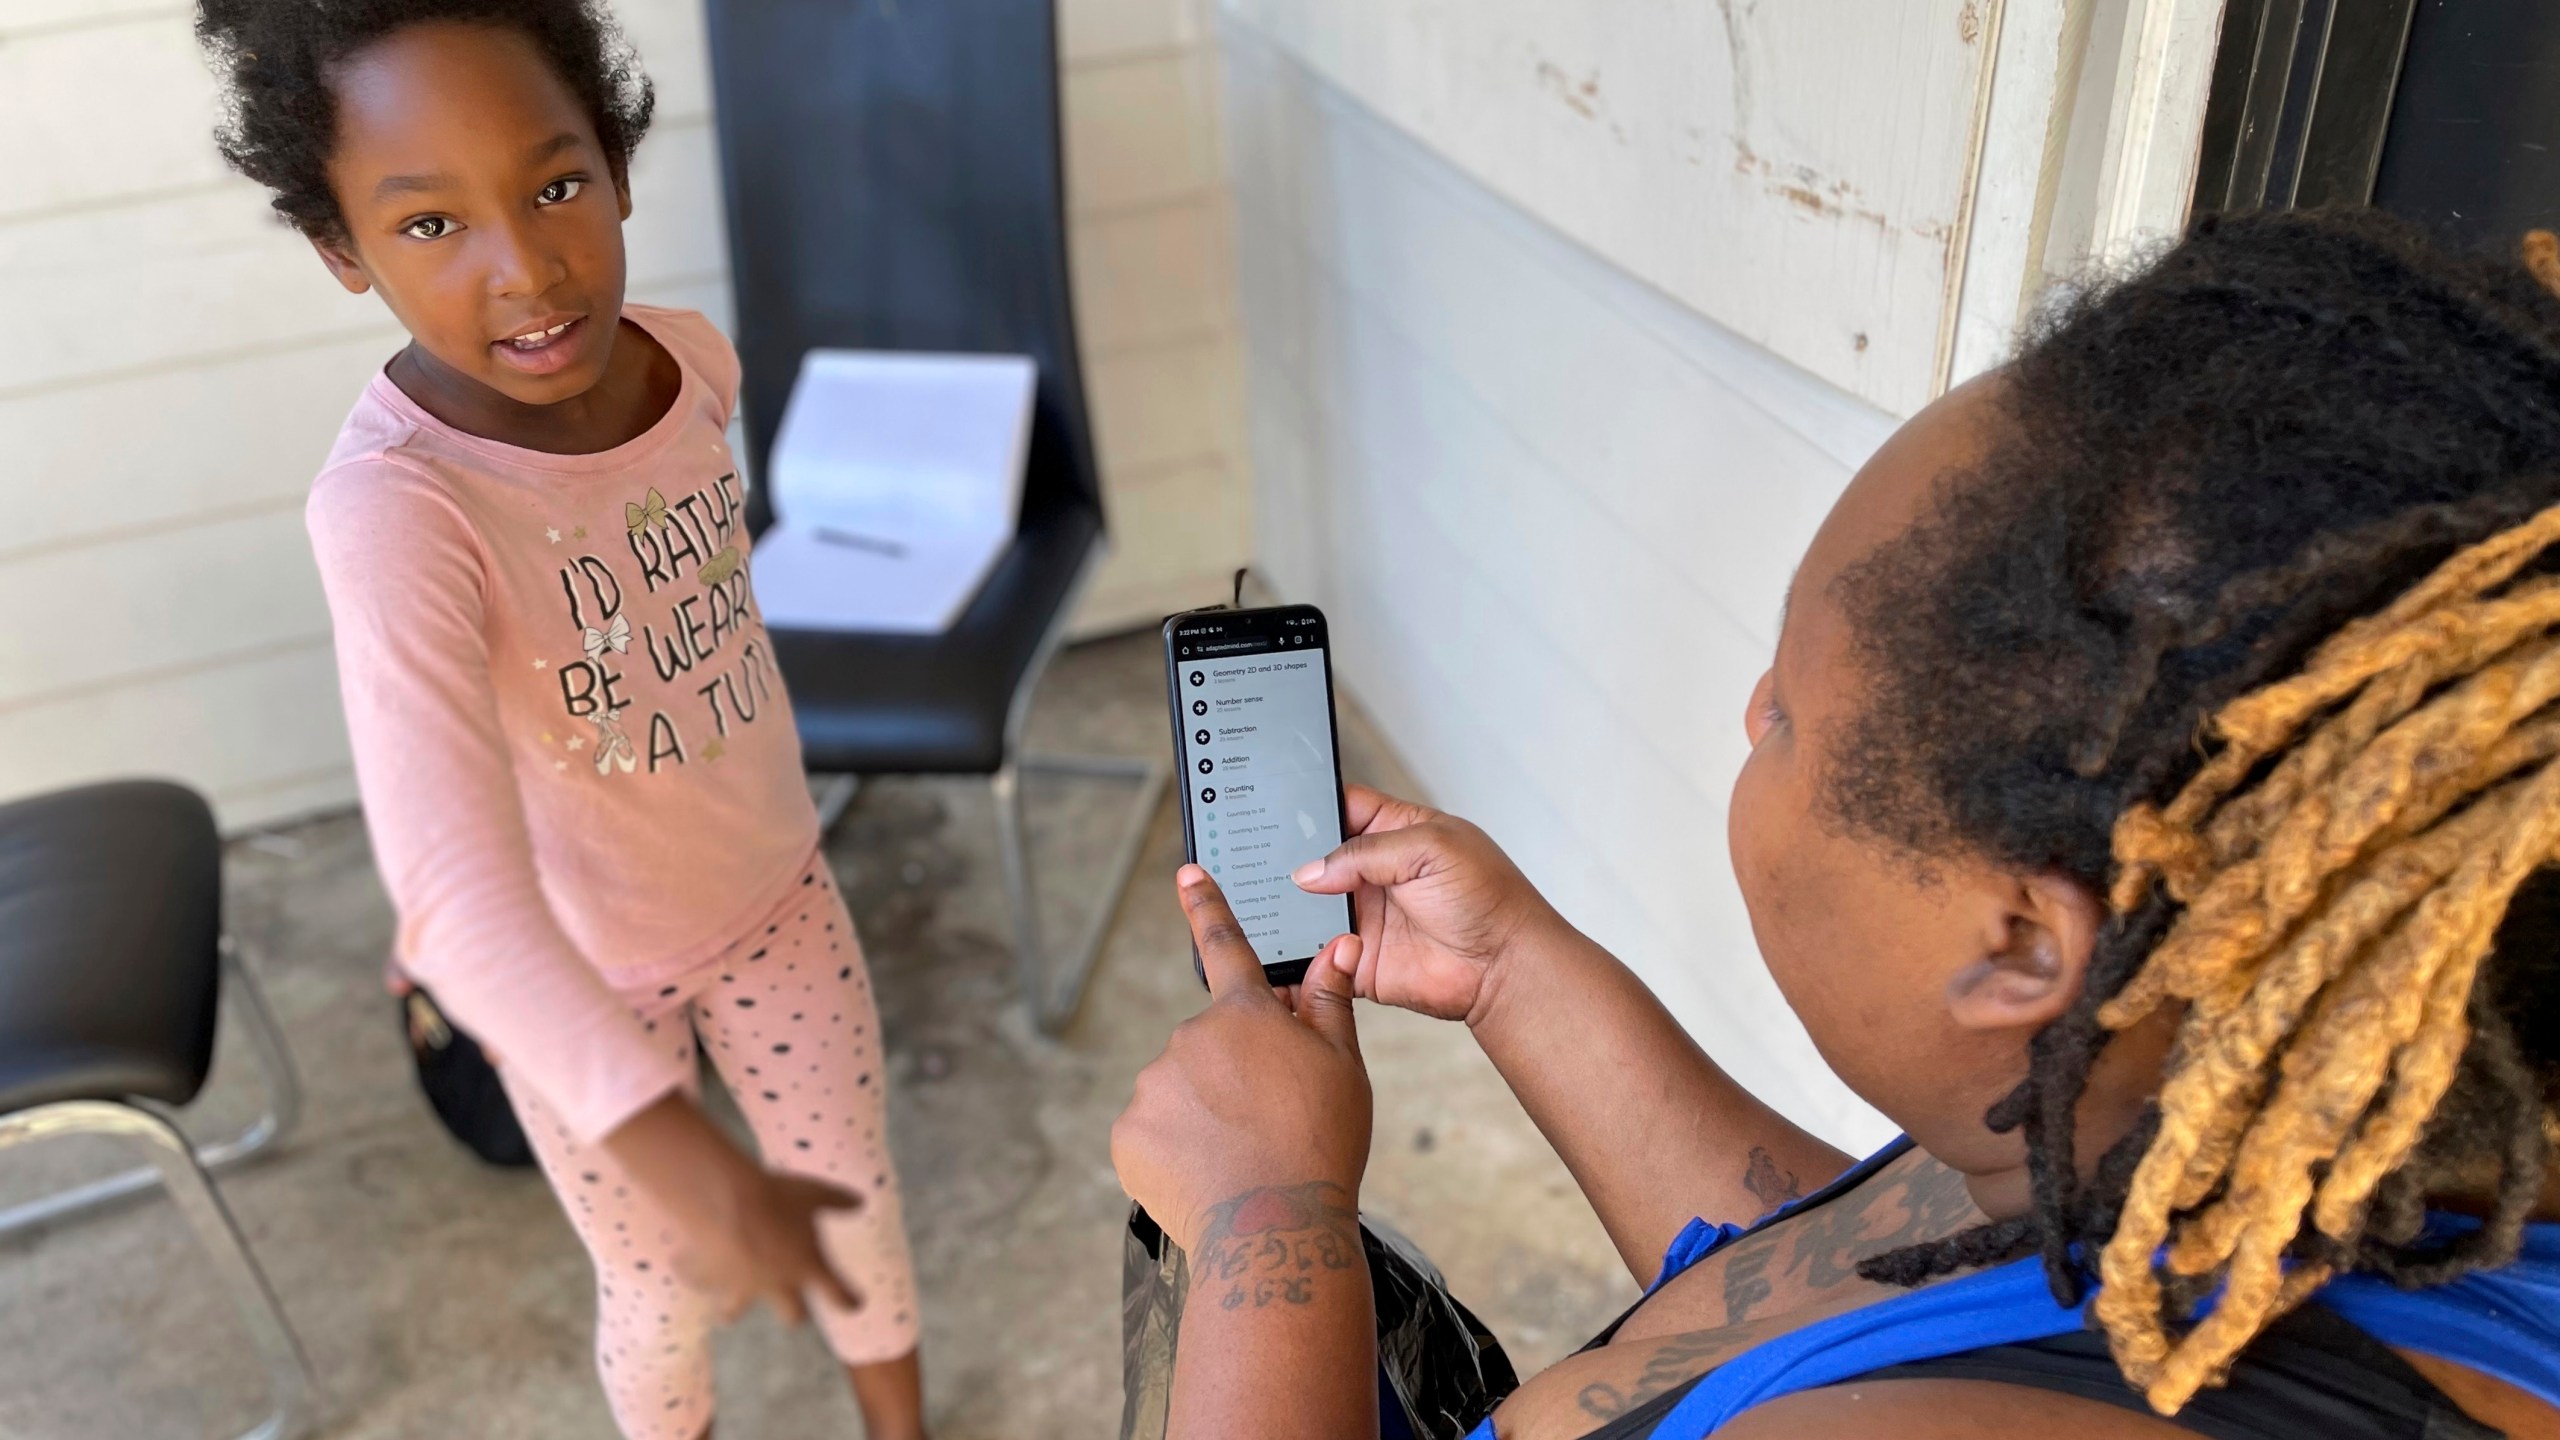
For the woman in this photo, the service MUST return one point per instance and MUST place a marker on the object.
(2146, 811)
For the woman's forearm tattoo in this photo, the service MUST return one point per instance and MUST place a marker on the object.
(1272, 1246)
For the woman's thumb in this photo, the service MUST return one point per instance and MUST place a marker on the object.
(1324, 996)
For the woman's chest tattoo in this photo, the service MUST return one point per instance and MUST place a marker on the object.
(1797, 1271)
(1816, 1253)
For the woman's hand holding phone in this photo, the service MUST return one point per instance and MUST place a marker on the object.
(1438, 901)
(1246, 1141)
(1639, 1113)
(1250, 1092)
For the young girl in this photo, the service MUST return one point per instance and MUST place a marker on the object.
(2151, 808)
(578, 763)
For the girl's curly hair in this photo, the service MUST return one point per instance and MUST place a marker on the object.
(280, 115)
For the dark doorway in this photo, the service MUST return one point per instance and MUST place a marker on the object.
(2446, 111)
(2474, 143)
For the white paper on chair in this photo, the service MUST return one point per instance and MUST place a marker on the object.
(897, 482)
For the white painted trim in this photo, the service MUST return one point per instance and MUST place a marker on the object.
(1972, 225)
(2155, 125)
(2001, 258)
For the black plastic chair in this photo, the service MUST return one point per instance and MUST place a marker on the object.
(112, 963)
(895, 183)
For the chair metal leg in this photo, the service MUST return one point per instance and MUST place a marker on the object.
(833, 794)
(191, 1189)
(284, 1109)
(1054, 991)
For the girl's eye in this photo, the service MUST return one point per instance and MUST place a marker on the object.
(560, 189)
(428, 227)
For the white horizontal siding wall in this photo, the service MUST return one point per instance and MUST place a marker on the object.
(178, 364)
(1551, 512)
(1799, 172)
(1155, 298)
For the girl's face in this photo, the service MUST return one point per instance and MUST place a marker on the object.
(1921, 978)
(479, 202)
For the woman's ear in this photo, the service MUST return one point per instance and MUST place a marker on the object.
(2035, 965)
(343, 264)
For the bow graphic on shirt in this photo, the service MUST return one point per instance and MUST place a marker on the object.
(612, 746)
(615, 636)
(647, 516)
(718, 569)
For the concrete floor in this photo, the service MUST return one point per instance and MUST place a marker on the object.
(439, 1298)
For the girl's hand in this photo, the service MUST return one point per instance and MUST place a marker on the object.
(771, 1252)
(1438, 900)
(1247, 1094)
(748, 1233)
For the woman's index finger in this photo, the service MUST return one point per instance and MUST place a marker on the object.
(1370, 810)
(1227, 960)
(1361, 805)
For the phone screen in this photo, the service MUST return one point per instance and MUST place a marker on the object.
(1262, 794)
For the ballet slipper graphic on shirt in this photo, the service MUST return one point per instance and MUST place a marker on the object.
(613, 748)
(699, 524)
(710, 628)
(615, 636)
(650, 514)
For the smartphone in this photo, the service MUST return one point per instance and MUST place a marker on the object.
(1261, 772)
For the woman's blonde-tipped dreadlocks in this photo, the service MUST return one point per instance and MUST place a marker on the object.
(2343, 862)
(2279, 515)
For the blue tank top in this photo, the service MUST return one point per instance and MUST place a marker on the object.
(2503, 1322)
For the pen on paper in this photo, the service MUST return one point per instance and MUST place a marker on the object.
(852, 541)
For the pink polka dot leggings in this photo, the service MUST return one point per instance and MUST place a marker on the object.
(786, 1017)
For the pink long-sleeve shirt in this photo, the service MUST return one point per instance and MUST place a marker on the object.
(578, 765)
